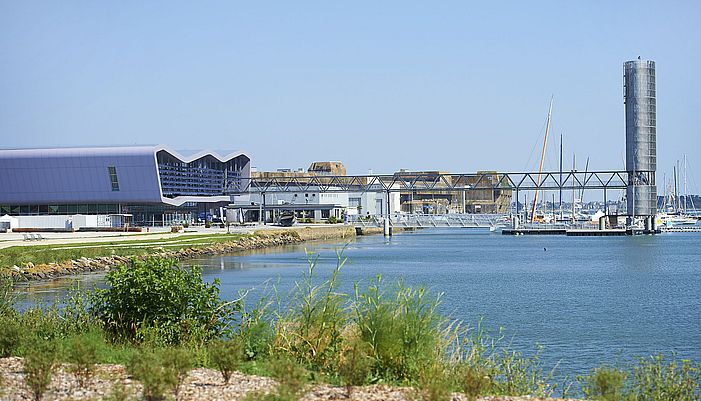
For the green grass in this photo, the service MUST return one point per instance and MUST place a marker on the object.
(43, 254)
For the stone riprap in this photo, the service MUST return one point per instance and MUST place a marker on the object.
(258, 240)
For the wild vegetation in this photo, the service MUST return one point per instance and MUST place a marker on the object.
(161, 320)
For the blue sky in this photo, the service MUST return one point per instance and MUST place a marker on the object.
(456, 86)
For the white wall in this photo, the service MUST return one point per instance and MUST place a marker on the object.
(75, 221)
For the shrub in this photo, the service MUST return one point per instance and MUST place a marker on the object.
(9, 336)
(606, 384)
(291, 378)
(157, 293)
(119, 393)
(355, 364)
(433, 384)
(83, 356)
(178, 361)
(39, 363)
(472, 381)
(226, 356)
(147, 366)
(7, 294)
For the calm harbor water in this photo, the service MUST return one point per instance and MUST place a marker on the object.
(586, 300)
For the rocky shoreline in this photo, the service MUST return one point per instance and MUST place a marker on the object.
(200, 385)
(258, 240)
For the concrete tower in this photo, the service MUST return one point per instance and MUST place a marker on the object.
(641, 136)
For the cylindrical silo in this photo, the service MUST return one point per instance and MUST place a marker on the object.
(641, 136)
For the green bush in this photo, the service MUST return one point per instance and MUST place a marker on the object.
(39, 363)
(291, 378)
(606, 384)
(472, 381)
(149, 368)
(433, 384)
(10, 334)
(7, 294)
(226, 356)
(83, 355)
(178, 361)
(158, 294)
(119, 393)
(355, 364)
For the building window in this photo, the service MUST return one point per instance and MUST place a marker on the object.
(113, 178)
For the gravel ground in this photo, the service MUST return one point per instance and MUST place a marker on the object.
(200, 385)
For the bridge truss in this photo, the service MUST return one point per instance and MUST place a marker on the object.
(447, 182)
(410, 181)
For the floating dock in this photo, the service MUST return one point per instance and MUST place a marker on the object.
(695, 229)
(534, 231)
(615, 232)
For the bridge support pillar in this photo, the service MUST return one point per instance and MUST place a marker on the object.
(387, 227)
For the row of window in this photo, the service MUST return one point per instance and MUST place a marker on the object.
(59, 209)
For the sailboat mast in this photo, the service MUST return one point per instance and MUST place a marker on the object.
(676, 191)
(542, 157)
(686, 194)
(574, 170)
(560, 176)
(586, 169)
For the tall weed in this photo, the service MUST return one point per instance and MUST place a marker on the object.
(83, 355)
(39, 363)
(311, 331)
(355, 364)
(403, 329)
(656, 379)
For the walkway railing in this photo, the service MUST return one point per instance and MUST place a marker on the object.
(415, 220)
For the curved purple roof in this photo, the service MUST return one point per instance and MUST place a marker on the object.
(82, 175)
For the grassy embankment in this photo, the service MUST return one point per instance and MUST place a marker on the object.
(161, 321)
(21, 256)
(44, 254)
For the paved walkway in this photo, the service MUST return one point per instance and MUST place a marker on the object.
(17, 239)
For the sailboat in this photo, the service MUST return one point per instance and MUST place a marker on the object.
(679, 216)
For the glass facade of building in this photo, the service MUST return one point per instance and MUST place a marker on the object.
(205, 176)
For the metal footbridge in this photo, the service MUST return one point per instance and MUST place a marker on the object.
(438, 182)
(416, 220)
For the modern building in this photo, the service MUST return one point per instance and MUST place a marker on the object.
(154, 185)
(641, 136)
